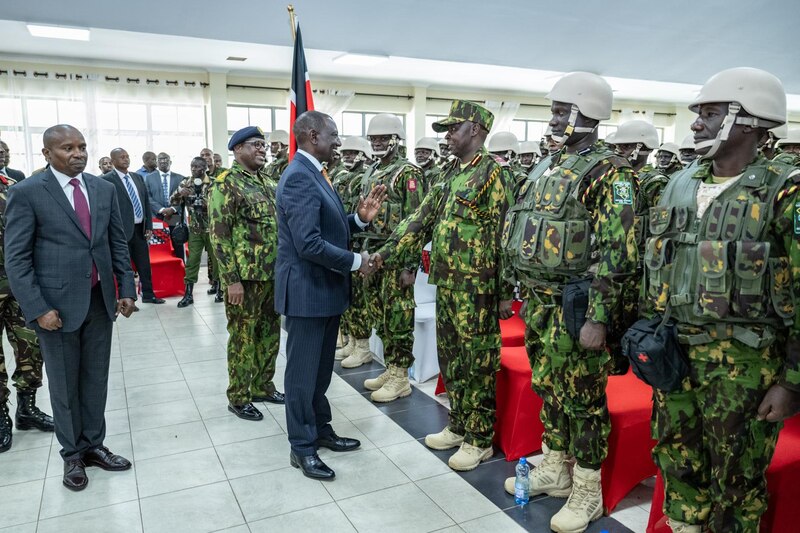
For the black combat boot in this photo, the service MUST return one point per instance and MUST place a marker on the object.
(213, 288)
(5, 428)
(220, 297)
(187, 299)
(29, 416)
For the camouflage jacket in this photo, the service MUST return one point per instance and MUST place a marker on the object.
(463, 216)
(217, 172)
(244, 229)
(274, 169)
(651, 183)
(404, 188)
(788, 158)
(347, 184)
(431, 176)
(735, 226)
(5, 183)
(672, 169)
(195, 206)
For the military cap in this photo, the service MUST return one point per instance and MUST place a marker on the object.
(462, 110)
(243, 134)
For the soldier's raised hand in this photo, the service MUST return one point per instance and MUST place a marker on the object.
(369, 206)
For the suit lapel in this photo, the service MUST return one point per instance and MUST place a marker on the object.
(53, 187)
(94, 200)
(322, 182)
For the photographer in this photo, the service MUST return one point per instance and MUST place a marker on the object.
(192, 196)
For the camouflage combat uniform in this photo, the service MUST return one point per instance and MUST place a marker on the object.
(275, 168)
(788, 158)
(28, 358)
(390, 306)
(245, 238)
(730, 280)
(672, 169)
(463, 216)
(431, 175)
(573, 221)
(197, 208)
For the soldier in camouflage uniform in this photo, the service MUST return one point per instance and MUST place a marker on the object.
(244, 235)
(192, 197)
(729, 281)
(444, 149)
(213, 171)
(789, 149)
(279, 148)
(355, 322)
(27, 356)
(463, 216)
(530, 153)
(426, 153)
(686, 150)
(668, 159)
(505, 145)
(218, 162)
(389, 294)
(573, 228)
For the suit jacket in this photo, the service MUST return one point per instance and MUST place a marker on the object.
(16, 175)
(125, 205)
(312, 271)
(153, 183)
(49, 256)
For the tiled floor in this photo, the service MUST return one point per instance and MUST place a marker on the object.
(198, 468)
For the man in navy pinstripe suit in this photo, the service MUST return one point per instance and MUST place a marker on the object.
(312, 286)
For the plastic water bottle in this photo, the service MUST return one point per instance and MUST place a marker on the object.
(521, 483)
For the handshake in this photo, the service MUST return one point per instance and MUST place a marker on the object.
(370, 264)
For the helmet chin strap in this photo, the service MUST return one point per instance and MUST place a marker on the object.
(633, 155)
(392, 143)
(571, 128)
(727, 125)
(356, 160)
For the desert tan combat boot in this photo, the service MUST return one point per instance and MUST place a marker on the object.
(468, 457)
(360, 355)
(397, 386)
(683, 527)
(345, 350)
(444, 440)
(551, 477)
(377, 382)
(585, 503)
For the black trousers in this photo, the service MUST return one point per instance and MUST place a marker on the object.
(178, 249)
(77, 364)
(310, 347)
(140, 255)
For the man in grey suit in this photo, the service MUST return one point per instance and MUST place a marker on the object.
(312, 286)
(5, 157)
(65, 249)
(134, 207)
(160, 186)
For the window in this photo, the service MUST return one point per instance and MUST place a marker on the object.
(355, 123)
(529, 130)
(429, 120)
(603, 130)
(266, 118)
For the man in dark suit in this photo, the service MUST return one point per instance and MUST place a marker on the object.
(312, 286)
(66, 258)
(134, 206)
(160, 186)
(5, 157)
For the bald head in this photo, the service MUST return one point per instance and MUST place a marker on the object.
(54, 134)
(120, 159)
(65, 149)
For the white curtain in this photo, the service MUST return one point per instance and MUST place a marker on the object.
(504, 113)
(136, 116)
(332, 101)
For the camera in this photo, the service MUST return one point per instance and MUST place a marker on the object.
(198, 194)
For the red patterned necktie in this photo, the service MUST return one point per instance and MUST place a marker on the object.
(84, 217)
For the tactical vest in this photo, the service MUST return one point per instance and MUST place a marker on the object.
(724, 271)
(643, 205)
(547, 235)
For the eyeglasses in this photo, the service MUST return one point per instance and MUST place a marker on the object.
(258, 145)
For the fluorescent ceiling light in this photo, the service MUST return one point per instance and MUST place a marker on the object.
(360, 60)
(59, 32)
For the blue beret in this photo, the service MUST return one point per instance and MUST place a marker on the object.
(245, 133)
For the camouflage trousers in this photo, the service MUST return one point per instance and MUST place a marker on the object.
(27, 375)
(712, 452)
(197, 243)
(571, 382)
(391, 309)
(468, 342)
(254, 329)
(355, 320)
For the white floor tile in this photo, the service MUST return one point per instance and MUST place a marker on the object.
(119, 518)
(460, 500)
(161, 475)
(323, 519)
(202, 509)
(278, 492)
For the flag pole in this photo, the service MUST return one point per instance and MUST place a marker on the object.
(292, 21)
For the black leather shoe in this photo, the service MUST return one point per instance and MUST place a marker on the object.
(247, 411)
(312, 466)
(213, 288)
(274, 397)
(338, 444)
(153, 300)
(103, 458)
(220, 297)
(5, 429)
(31, 417)
(75, 477)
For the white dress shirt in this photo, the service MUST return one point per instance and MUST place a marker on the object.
(136, 220)
(69, 190)
(356, 257)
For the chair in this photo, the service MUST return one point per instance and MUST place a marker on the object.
(167, 270)
(518, 429)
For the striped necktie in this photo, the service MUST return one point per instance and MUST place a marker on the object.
(165, 189)
(137, 206)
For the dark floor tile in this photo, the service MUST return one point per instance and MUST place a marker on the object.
(416, 400)
(489, 477)
(423, 420)
(356, 379)
(536, 517)
(369, 367)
